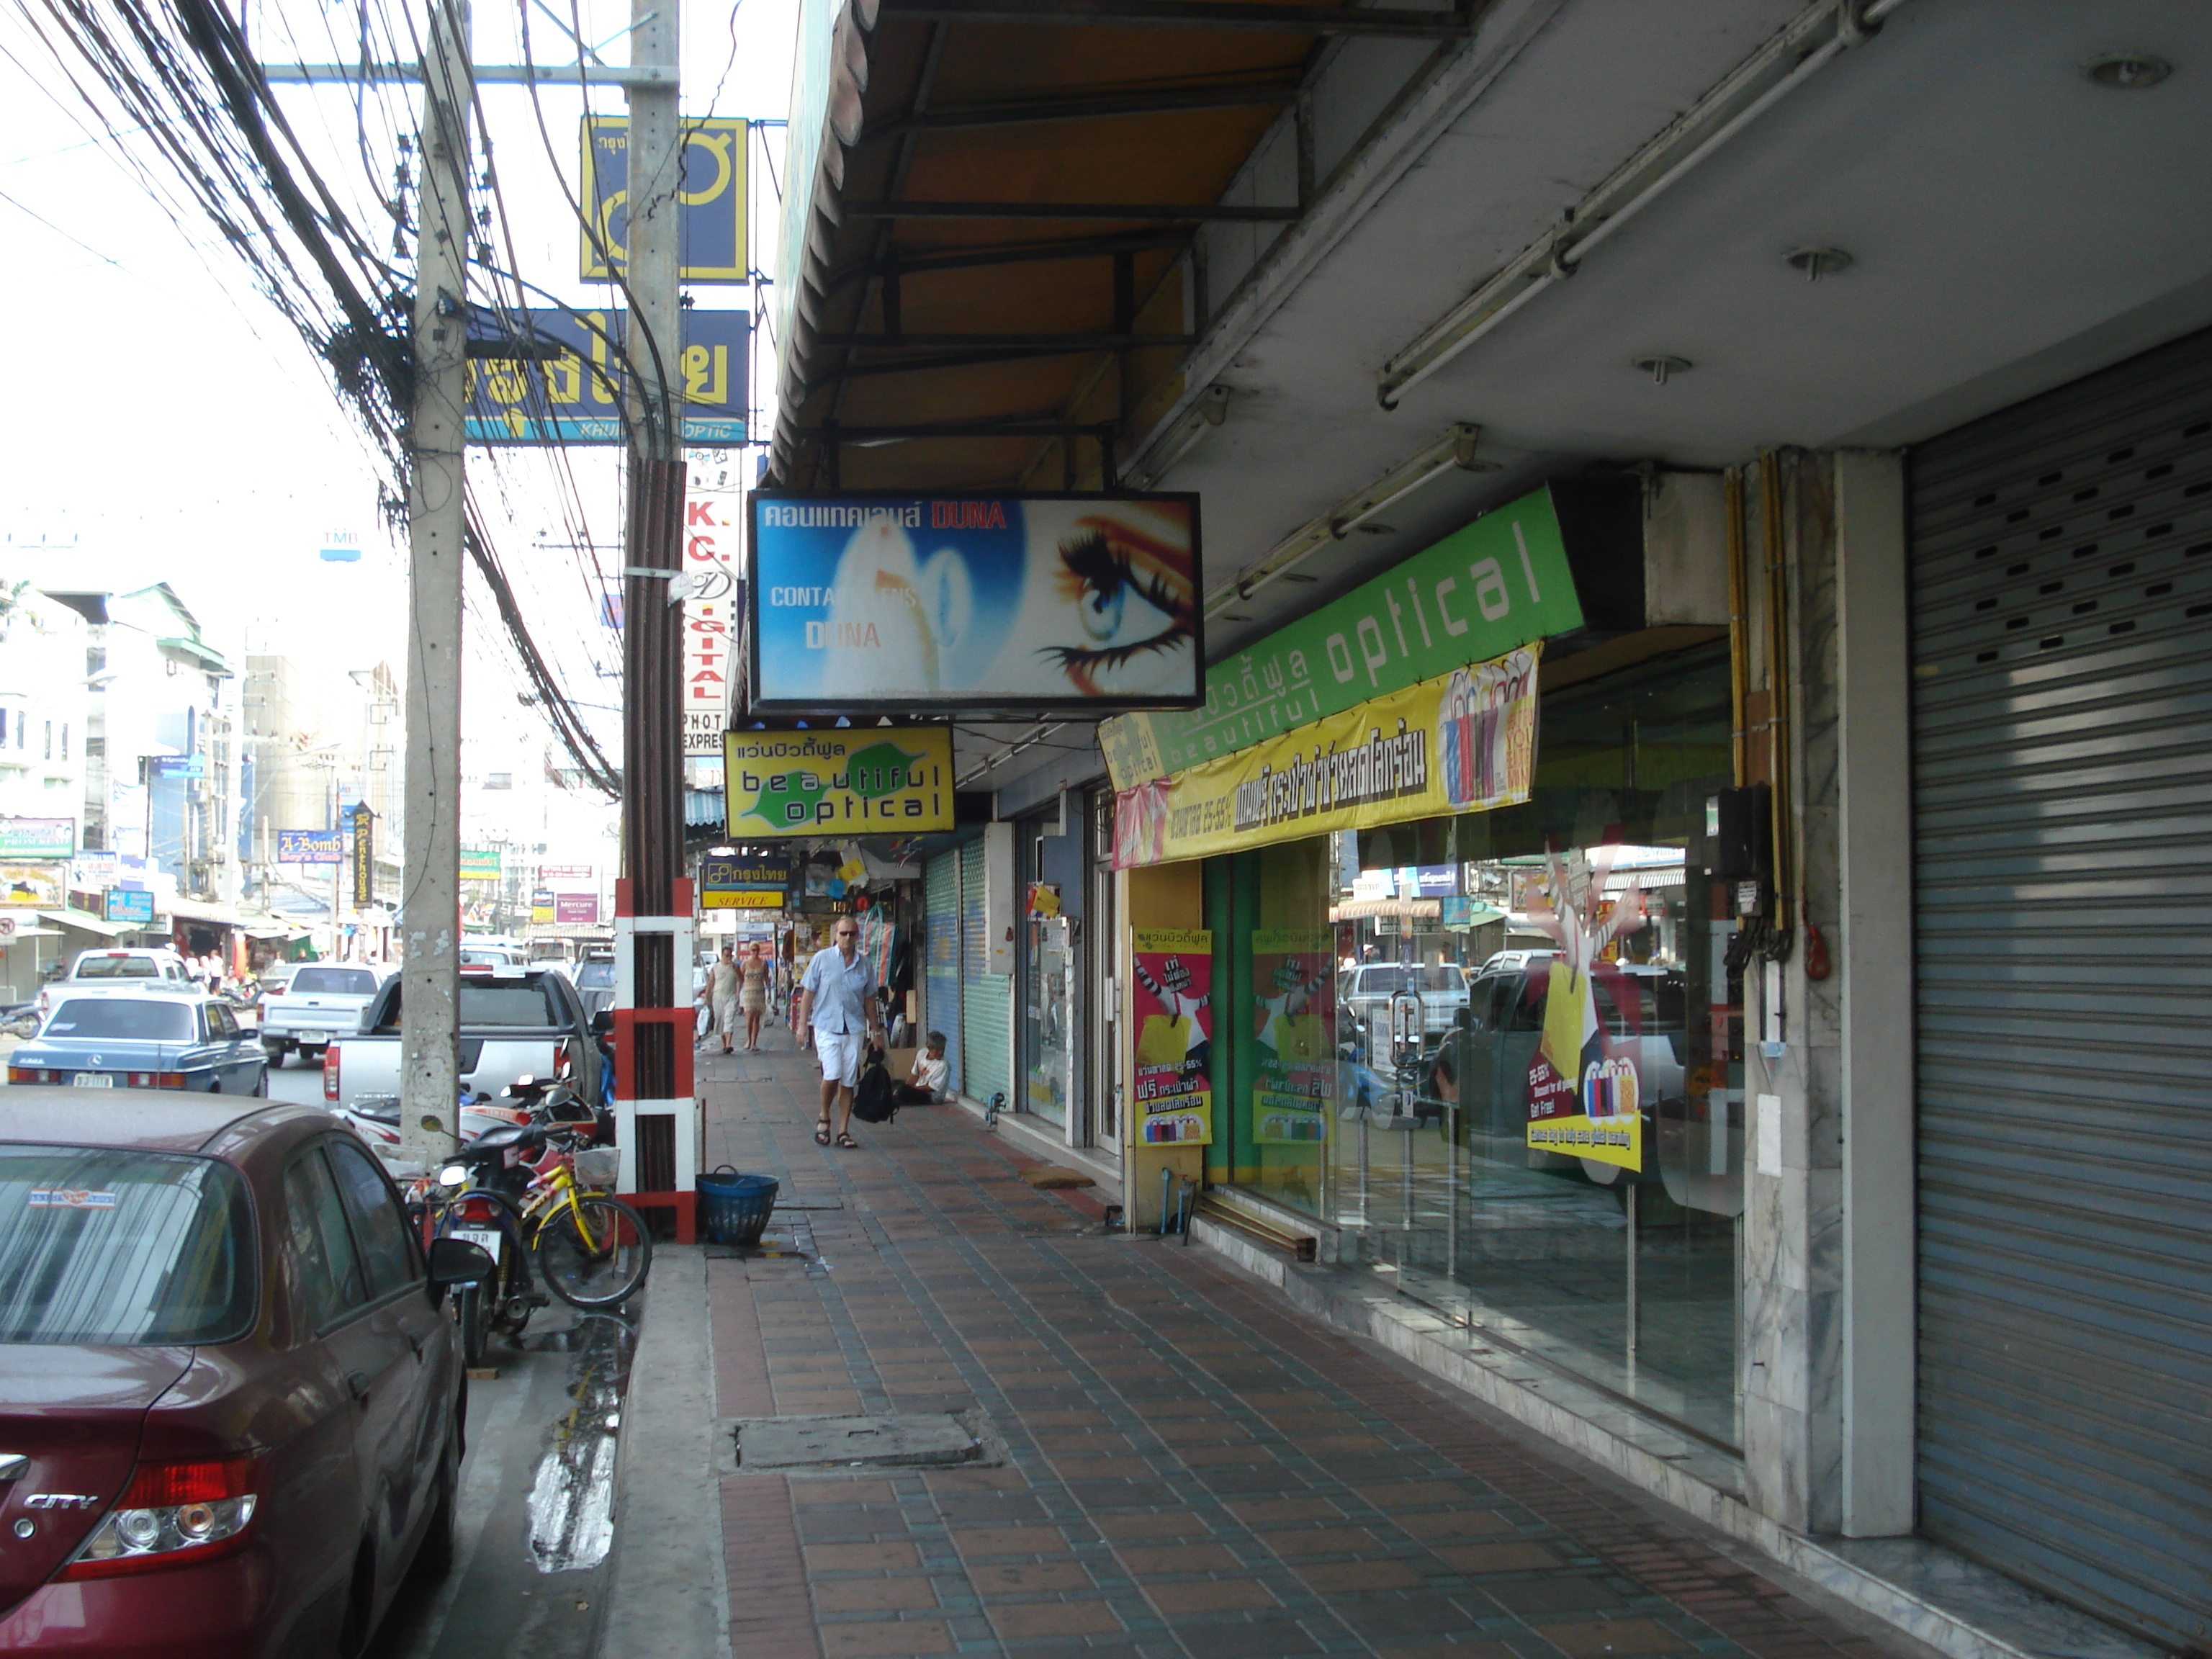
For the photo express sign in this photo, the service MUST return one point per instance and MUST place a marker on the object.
(886, 603)
(872, 779)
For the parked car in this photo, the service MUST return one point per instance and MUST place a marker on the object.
(231, 1405)
(98, 972)
(323, 1000)
(595, 983)
(515, 1022)
(1365, 993)
(155, 1040)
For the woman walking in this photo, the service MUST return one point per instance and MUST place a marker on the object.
(752, 993)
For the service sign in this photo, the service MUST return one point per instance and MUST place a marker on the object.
(128, 904)
(310, 847)
(862, 779)
(574, 395)
(883, 603)
(37, 838)
(710, 225)
(750, 881)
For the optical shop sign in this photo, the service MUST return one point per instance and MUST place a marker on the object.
(839, 781)
(1463, 742)
(1172, 1001)
(1500, 582)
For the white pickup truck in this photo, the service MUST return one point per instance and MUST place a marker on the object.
(515, 1022)
(323, 1002)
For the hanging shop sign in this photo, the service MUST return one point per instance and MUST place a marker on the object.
(1463, 742)
(37, 886)
(563, 384)
(885, 603)
(710, 224)
(1294, 1082)
(1500, 582)
(128, 904)
(859, 780)
(363, 850)
(744, 882)
(310, 847)
(38, 838)
(1170, 997)
(480, 863)
(712, 533)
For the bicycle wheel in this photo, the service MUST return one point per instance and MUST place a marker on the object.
(602, 1264)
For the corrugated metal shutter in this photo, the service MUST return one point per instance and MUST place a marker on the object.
(940, 990)
(2063, 729)
(985, 1025)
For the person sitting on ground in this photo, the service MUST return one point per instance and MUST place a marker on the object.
(924, 1084)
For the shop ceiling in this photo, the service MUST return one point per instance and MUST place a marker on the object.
(1199, 245)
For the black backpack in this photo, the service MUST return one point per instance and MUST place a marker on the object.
(874, 1100)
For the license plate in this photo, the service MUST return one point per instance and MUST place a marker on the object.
(93, 1081)
(487, 1238)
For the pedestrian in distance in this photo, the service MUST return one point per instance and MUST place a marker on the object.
(837, 1013)
(722, 983)
(752, 993)
(924, 1084)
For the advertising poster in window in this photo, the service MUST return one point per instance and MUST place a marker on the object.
(1171, 998)
(889, 603)
(1587, 1080)
(1463, 742)
(1293, 988)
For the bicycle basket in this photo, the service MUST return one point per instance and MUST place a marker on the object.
(598, 1168)
(735, 1207)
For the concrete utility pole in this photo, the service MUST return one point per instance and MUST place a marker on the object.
(429, 1028)
(654, 1113)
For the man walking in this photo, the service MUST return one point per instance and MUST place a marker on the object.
(723, 983)
(836, 1006)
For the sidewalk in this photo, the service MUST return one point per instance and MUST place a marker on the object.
(1190, 1467)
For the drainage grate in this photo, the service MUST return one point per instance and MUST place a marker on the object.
(920, 1439)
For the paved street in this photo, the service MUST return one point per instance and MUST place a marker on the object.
(1188, 1468)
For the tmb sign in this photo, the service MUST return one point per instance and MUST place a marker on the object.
(711, 204)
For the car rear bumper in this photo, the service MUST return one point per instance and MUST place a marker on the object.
(223, 1609)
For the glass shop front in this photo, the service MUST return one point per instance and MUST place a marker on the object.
(1500, 1051)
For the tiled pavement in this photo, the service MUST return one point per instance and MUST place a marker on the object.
(1192, 1469)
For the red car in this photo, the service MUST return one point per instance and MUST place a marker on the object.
(231, 1402)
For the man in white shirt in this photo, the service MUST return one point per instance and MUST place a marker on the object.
(838, 1010)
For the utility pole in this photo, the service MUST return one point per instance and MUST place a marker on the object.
(431, 897)
(655, 1116)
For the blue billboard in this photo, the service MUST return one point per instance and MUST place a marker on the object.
(129, 905)
(710, 226)
(310, 847)
(569, 390)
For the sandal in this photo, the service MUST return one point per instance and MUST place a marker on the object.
(847, 1144)
(821, 1132)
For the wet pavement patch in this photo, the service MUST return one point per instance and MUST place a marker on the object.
(909, 1440)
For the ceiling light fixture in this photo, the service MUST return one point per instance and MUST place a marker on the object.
(1206, 411)
(1661, 369)
(1819, 262)
(2127, 71)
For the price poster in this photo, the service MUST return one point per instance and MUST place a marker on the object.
(1293, 993)
(1171, 998)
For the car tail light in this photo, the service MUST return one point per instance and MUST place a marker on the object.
(170, 1516)
(331, 1073)
(156, 1079)
(29, 1074)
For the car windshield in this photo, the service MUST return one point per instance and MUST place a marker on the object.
(122, 1018)
(116, 968)
(107, 1247)
(596, 977)
(488, 1001)
(1392, 978)
(349, 981)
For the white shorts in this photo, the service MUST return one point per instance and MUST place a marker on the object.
(839, 1053)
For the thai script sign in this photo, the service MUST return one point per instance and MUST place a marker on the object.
(569, 389)
(710, 226)
(480, 864)
(37, 838)
(863, 778)
(1500, 582)
(744, 882)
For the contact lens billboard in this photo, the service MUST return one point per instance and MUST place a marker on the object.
(867, 603)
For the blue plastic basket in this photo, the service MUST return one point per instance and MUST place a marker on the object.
(736, 1206)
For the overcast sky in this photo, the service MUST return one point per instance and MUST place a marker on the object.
(164, 421)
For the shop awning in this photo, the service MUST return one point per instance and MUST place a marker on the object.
(89, 922)
(187, 909)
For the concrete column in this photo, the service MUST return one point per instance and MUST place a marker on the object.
(1872, 948)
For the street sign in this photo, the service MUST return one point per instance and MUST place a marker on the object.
(710, 233)
(310, 847)
(569, 389)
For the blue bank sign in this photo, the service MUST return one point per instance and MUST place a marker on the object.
(567, 389)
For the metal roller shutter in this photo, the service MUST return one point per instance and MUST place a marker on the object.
(2063, 728)
(940, 990)
(986, 1023)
